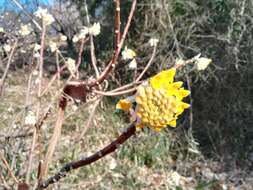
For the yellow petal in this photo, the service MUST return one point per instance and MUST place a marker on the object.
(182, 93)
(163, 78)
(177, 84)
(181, 107)
(173, 123)
(124, 104)
(185, 105)
(157, 129)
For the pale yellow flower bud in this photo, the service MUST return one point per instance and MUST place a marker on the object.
(53, 46)
(30, 118)
(71, 65)
(95, 29)
(7, 48)
(128, 54)
(153, 42)
(43, 14)
(202, 63)
(25, 30)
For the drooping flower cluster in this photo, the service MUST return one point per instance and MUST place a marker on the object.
(71, 65)
(84, 31)
(153, 42)
(128, 54)
(159, 101)
(30, 118)
(25, 29)
(202, 63)
(43, 14)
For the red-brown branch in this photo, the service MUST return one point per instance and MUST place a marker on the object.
(117, 25)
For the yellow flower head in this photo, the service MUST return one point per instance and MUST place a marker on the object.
(159, 102)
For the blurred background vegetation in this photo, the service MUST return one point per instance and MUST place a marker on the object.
(220, 121)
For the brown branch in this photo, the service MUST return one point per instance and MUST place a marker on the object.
(114, 59)
(130, 131)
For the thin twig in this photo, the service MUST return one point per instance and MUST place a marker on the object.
(8, 167)
(113, 62)
(148, 65)
(126, 86)
(79, 60)
(91, 116)
(41, 59)
(7, 67)
(58, 68)
(5, 185)
(53, 79)
(30, 159)
(37, 134)
(130, 131)
(92, 48)
(178, 50)
(27, 14)
(115, 93)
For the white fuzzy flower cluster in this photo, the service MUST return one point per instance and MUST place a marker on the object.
(82, 34)
(30, 118)
(25, 29)
(202, 63)
(1, 29)
(71, 64)
(43, 14)
(129, 54)
(93, 30)
(63, 38)
(7, 48)
(53, 46)
(153, 42)
(36, 50)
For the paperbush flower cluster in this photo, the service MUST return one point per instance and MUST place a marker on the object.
(159, 102)
(43, 14)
